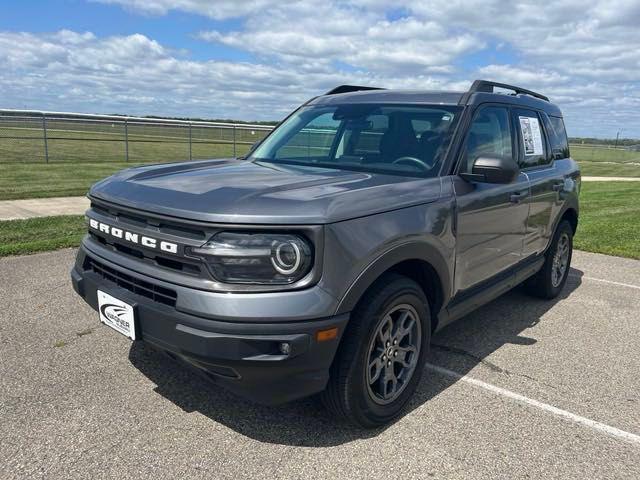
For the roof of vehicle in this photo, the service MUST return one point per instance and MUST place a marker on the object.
(481, 91)
(390, 96)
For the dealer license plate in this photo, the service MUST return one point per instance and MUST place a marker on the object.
(117, 314)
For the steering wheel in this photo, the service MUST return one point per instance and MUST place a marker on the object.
(412, 161)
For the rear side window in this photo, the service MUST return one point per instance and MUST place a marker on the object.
(533, 148)
(489, 135)
(557, 137)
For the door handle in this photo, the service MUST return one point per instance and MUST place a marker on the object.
(515, 197)
(558, 186)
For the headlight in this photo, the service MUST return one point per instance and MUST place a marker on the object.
(258, 258)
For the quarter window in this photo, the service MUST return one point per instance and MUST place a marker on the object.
(557, 137)
(489, 135)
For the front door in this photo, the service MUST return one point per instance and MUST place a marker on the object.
(492, 218)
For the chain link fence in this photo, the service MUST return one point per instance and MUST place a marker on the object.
(595, 153)
(50, 137)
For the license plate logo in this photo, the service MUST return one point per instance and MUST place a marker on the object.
(116, 314)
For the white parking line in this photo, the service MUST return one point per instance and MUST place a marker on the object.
(612, 431)
(620, 284)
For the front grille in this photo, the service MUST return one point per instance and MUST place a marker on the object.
(134, 285)
(183, 233)
(148, 223)
(178, 264)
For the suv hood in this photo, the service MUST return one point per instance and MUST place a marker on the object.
(234, 191)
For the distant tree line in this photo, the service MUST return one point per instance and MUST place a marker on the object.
(621, 142)
(219, 120)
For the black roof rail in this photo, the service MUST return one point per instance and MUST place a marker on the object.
(350, 88)
(487, 86)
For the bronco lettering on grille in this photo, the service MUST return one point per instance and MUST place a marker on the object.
(131, 237)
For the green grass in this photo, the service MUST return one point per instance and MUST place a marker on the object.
(103, 143)
(81, 154)
(601, 169)
(37, 180)
(33, 235)
(61, 179)
(603, 154)
(606, 162)
(610, 219)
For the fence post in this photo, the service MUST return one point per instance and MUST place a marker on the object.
(190, 153)
(234, 142)
(46, 141)
(126, 140)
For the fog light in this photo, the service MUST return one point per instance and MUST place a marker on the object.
(285, 348)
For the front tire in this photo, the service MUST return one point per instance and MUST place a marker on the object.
(550, 280)
(380, 361)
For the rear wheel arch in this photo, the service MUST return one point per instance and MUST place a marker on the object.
(571, 216)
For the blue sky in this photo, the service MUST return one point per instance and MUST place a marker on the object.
(258, 59)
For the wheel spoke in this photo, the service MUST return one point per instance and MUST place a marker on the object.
(375, 369)
(405, 325)
(389, 383)
(405, 356)
(384, 333)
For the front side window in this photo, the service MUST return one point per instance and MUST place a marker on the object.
(489, 136)
(394, 139)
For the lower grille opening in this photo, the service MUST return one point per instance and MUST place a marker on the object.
(134, 285)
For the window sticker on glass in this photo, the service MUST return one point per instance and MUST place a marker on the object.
(531, 136)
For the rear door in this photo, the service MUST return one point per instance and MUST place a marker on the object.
(536, 162)
(492, 218)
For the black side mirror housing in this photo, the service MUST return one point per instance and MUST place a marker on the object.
(493, 170)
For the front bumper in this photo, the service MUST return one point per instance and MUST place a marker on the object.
(242, 356)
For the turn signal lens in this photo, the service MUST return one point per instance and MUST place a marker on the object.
(325, 335)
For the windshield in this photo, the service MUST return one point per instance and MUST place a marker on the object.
(394, 139)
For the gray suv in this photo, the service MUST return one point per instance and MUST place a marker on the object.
(325, 260)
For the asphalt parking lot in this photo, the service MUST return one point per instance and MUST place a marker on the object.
(522, 388)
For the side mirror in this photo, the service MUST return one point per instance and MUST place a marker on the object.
(493, 170)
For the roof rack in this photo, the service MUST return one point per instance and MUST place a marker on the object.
(487, 86)
(350, 88)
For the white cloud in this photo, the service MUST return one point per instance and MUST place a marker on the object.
(578, 53)
(218, 9)
(134, 74)
(586, 56)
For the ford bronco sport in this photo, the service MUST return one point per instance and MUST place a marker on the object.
(325, 260)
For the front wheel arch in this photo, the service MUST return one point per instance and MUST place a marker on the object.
(417, 261)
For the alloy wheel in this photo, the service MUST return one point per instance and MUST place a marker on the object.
(393, 353)
(560, 260)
